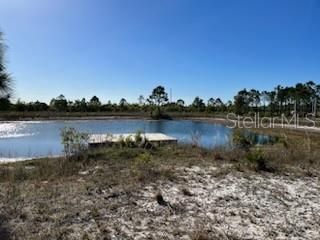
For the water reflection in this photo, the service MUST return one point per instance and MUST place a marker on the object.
(34, 139)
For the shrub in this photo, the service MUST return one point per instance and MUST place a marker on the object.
(75, 143)
(241, 140)
(261, 163)
(144, 167)
(138, 138)
(121, 141)
(143, 160)
(131, 141)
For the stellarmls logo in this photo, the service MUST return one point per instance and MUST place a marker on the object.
(256, 121)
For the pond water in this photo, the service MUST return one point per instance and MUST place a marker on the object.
(30, 139)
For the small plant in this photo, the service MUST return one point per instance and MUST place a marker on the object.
(143, 159)
(196, 139)
(138, 138)
(20, 173)
(129, 142)
(75, 143)
(121, 141)
(144, 167)
(241, 140)
(256, 156)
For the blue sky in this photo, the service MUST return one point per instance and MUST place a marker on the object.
(124, 48)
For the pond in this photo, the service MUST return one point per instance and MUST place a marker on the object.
(31, 139)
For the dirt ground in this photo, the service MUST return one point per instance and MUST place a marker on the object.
(199, 203)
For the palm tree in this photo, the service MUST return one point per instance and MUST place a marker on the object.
(5, 79)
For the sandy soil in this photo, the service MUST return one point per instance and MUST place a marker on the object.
(199, 204)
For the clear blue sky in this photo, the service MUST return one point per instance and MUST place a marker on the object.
(124, 48)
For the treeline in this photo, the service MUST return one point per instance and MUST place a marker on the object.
(302, 98)
(61, 104)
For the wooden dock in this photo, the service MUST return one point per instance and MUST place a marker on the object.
(109, 139)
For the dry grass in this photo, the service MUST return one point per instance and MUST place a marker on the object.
(32, 191)
(44, 191)
(296, 151)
